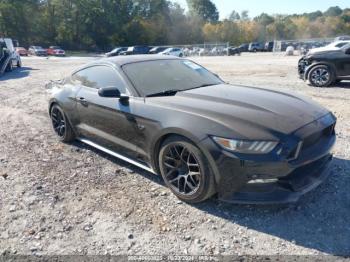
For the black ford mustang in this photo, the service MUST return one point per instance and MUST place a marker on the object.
(173, 117)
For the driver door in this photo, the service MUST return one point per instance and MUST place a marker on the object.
(106, 121)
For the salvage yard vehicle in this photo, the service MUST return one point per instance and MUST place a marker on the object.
(332, 46)
(37, 51)
(232, 50)
(325, 68)
(269, 46)
(55, 51)
(244, 47)
(116, 51)
(21, 51)
(136, 50)
(9, 58)
(173, 117)
(157, 49)
(173, 51)
(256, 47)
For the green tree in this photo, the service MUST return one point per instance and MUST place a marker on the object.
(234, 16)
(333, 11)
(205, 9)
(245, 15)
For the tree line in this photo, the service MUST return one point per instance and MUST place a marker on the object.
(103, 24)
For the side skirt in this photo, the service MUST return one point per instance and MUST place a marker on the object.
(112, 153)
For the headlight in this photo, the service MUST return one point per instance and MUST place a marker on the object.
(246, 146)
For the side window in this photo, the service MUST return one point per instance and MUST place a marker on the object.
(99, 76)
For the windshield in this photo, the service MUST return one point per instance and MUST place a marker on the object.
(55, 47)
(152, 77)
(341, 44)
(345, 47)
(37, 47)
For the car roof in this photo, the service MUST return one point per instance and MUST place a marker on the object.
(123, 60)
(341, 41)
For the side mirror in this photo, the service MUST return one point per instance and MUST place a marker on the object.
(112, 92)
(109, 92)
(347, 51)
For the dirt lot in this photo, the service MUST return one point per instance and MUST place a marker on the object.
(71, 199)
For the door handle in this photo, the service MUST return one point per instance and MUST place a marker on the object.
(83, 101)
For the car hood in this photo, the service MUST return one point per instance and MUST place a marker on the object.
(323, 49)
(238, 107)
(324, 52)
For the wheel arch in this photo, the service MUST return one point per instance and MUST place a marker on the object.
(156, 146)
(330, 65)
(54, 102)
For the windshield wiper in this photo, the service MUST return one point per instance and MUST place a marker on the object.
(171, 92)
(203, 85)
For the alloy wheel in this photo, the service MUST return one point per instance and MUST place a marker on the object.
(58, 122)
(182, 169)
(320, 76)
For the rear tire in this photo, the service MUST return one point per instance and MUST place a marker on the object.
(9, 67)
(61, 125)
(321, 76)
(186, 170)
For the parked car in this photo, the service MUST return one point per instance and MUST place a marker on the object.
(268, 46)
(55, 51)
(136, 50)
(244, 47)
(173, 51)
(9, 58)
(37, 50)
(232, 50)
(116, 51)
(325, 68)
(21, 51)
(204, 136)
(256, 47)
(342, 38)
(157, 49)
(332, 46)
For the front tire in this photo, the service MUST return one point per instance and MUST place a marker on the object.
(186, 170)
(321, 76)
(19, 63)
(61, 125)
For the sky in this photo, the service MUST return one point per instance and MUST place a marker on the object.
(256, 7)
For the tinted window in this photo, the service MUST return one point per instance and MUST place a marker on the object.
(341, 45)
(152, 77)
(100, 76)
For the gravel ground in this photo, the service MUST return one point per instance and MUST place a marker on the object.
(60, 199)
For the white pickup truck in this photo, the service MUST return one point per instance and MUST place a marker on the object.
(9, 58)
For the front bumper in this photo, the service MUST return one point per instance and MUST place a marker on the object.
(302, 68)
(284, 190)
(291, 173)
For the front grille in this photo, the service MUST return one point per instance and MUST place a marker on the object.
(302, 66)
(315, 138)
(312, 139)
